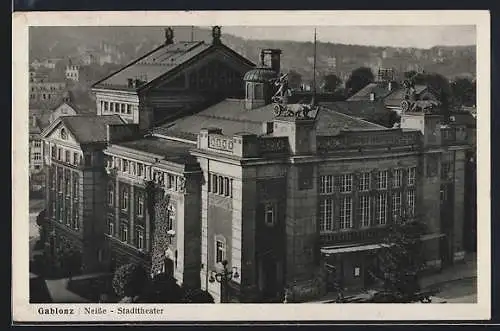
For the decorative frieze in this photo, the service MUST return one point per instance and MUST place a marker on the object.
(273, 145)
(348, 140)
(221, 142)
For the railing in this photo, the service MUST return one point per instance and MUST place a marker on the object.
(220, 142)
(366, 140)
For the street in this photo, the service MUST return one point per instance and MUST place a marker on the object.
(459, 291)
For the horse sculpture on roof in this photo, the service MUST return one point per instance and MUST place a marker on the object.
(411, 103)
(281, 107)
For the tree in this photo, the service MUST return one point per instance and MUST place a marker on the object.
(294, 79)
(464, 91)
(163, 288)
(129, 280)
(400, 262)
(331, 82)
(358, 79)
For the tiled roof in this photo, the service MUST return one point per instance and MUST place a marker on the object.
(231, 116)
(173, 151)
(155, 63)
(90, 128)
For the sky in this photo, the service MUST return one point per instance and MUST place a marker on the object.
(396, 36)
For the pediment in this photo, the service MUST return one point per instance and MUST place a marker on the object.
(60, 133)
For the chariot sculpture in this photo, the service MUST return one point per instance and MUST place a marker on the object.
(281, 107)
(412, 104)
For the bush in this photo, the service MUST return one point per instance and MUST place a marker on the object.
(129, 280)
(162, 289)
(197, 296)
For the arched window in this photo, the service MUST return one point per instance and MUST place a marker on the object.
(64, 134)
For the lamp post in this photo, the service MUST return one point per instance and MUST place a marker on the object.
(224, 277)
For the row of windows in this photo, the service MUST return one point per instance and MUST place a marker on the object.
(344, 182)
(140, 170)
(364, 210)
(60, 182)
(220, 185)
(124, 200)
(66, 212)
(123, 234)
(115, 107)
(64, 155)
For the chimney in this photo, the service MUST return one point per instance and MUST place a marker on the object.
(372, 96)
(274, 58)
(169, 36)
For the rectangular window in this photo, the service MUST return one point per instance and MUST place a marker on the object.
(171, 219)
(122, 110)
(112, 106)
(54, 152)
(326, 184)
(364, 181)
(412, 174)
(124, 200)
(75, 158)
(140, 170)
(346, 183)
(132, 168)
(59, 154)
(410, 202)
(220, 250)
(221, 185)
(170, 181)
(215, 184)
(326, 215)
(111, 195)
(111, 226)
(38, 143)
(124, 232)
(381, 209)
(125, 166)
(396, 207)
(67, 157)
(226, 186)
(140, 205)
(269, 214)
(382, 180)
(364, 210)
(139, 237)
(37, 156)
(129, 109)
(345, 213)
(398, 178)
(106, 106)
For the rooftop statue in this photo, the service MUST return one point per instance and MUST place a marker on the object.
(412, 104)
(280, 99)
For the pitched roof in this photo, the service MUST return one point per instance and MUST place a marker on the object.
(173, 151)
(364, 94)
(394, 99)
(157, 63)
(231, 116)
(360, 109)
(90, 128)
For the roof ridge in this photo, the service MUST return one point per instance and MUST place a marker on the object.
(357, 119)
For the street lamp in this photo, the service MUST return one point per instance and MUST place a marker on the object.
(224, 277)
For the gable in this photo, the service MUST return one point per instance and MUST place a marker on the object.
(216, 69)
(61, 134)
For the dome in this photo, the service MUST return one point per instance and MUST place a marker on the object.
(260, 75)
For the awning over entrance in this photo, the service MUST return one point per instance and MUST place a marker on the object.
(351, 249)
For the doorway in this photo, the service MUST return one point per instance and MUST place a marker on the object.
(269, 278)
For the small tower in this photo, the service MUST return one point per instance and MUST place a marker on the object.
(259, 81)
(216, 34)
(169, 36)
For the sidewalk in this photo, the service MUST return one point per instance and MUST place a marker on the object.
(60, 294)
(462, 270)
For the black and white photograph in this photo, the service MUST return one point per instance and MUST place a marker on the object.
(252, 164)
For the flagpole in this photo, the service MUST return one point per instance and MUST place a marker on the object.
(313, 101)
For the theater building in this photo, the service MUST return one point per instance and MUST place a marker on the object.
(281, 198)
